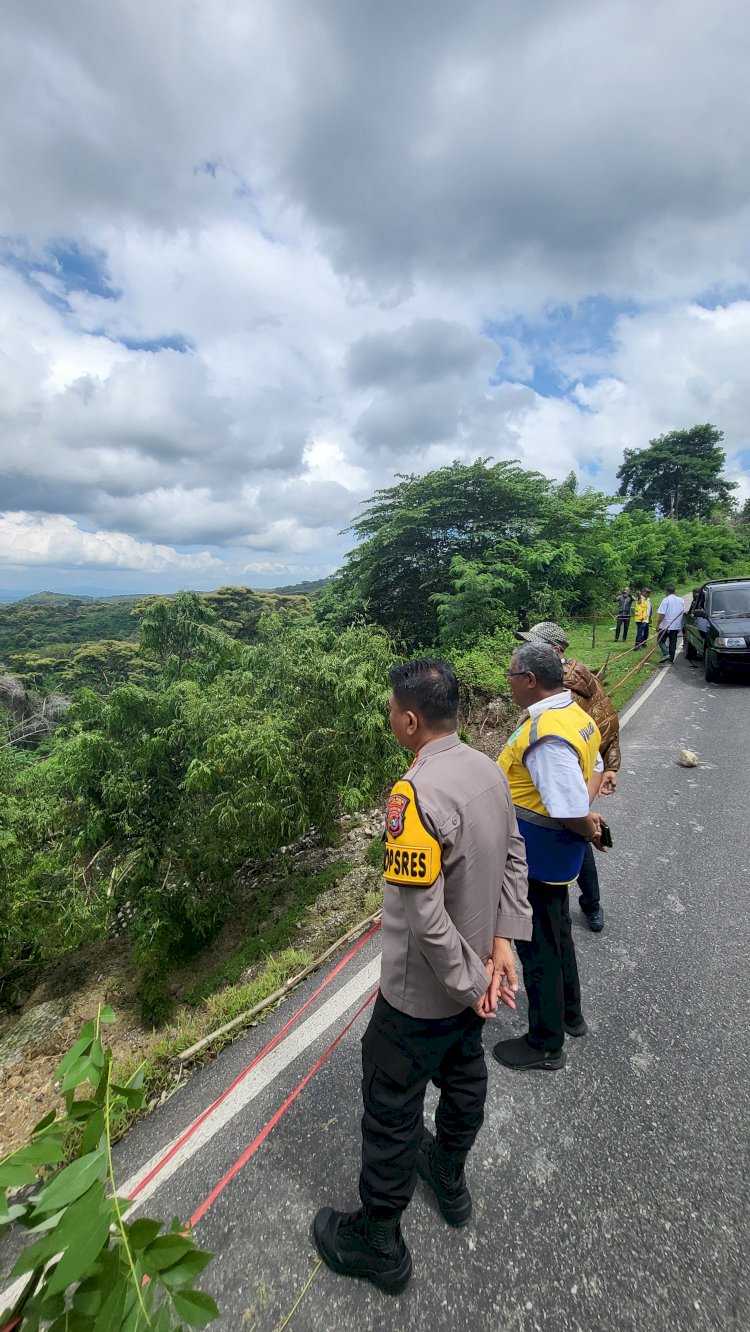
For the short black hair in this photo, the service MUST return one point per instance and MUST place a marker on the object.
(429, 687)
(669, 589)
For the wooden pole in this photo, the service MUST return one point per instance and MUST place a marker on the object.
(641, 663)
(185, 1056)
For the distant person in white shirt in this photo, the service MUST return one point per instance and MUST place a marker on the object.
(669, 624)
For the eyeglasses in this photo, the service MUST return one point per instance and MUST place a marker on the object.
(510, 674)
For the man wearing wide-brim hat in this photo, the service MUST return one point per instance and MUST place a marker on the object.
(589, 694)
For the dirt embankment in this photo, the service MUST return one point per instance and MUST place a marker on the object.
(34, 1038)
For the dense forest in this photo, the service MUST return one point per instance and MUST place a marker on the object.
(49, 640)
(150, 748)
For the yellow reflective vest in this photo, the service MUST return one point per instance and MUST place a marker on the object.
(553, 852)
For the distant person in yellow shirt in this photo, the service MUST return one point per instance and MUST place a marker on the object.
(642, 616)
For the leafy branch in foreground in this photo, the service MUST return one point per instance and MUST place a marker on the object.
(88, 1269)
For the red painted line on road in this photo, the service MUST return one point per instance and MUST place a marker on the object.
(273, 1121)
(253, 1064)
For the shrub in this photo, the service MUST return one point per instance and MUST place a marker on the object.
(481, 667)
(87, 1267)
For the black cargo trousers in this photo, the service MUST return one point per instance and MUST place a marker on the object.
(400, 1056)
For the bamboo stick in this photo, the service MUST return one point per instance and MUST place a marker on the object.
(642, 662)
(185, 1056)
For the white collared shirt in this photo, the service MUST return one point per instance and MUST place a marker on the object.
(673, 609)
(555, 770)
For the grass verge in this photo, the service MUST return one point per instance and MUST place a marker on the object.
(297, 892)
(594, 644)
(618, 666)
(220, 996)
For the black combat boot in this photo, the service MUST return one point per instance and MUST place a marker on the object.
(356, 1244)
(444, 1172)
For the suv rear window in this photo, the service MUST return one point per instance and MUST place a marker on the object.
(730, 600)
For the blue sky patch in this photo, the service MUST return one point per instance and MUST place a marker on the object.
(171, 342)
(82, 268)
(589, 466)
(73, 267)
(563, 331)
(718, 296)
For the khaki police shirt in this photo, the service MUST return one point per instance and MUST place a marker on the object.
(436, 937)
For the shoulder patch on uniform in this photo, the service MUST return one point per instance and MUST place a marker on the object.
(412, 855)
(396, 814)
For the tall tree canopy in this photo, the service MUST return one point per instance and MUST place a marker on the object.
(433, 541)
(678, 475)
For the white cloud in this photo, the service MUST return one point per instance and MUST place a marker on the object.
(29, 539)
(359, 223)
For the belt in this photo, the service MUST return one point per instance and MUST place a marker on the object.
(543, 820)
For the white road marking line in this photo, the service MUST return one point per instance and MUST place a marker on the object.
(293, 1045)
(274, 1064)
(256, 1081)
(631, 711)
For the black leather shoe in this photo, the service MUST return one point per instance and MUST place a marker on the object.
(354, 1244)
(595, 920)
(519, 1055)
(577, 1028)
(445, 1176)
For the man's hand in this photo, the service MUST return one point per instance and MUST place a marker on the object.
(486, 1007)
(609, 783)
(597, 839)
(505, 980)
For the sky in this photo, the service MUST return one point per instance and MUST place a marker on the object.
(259, 257)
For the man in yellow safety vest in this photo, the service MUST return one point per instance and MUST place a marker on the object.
(549, 762)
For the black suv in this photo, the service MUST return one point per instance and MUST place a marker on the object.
(717, 626)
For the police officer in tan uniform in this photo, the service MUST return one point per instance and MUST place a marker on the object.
(455, 896)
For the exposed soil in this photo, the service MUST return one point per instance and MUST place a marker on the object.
(99, 974)
(105, 973)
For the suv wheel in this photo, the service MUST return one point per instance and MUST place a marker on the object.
(710, 669)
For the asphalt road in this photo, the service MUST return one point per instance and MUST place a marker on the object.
(610, 1195)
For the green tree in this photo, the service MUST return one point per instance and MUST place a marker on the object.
(679, 475)
(158, 793)
(410, 533)
(474, 607)
(740, 521)
(182, 633)
(103, 665)
(443, 556)
(83, 1266)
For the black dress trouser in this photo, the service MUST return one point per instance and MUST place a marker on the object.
(622, 623)
(588, 882)
(400, 1056)
(550, 970)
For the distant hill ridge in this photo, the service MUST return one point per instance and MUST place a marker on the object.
(64, 598)
(8, 597)
(54, 625)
